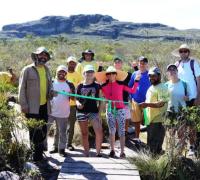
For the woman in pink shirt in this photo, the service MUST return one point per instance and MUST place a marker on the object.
(113, 90)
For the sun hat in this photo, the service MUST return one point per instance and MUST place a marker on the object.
(182, 46)
(71, 59)
(101, 76)
(154, 71)
(88, 68)
(142, 58)
(62, 68)
(171, 65)
(39, 51)
(111, 69)
(88, 51)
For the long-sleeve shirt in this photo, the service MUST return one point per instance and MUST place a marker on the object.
(144, 84)
(114, 91)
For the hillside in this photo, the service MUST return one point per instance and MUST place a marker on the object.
(96, 25)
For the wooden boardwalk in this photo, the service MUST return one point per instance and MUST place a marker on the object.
(93, 168)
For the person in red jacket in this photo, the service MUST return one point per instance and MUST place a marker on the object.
(113, 90)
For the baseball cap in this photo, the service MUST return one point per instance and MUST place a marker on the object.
(154, 71)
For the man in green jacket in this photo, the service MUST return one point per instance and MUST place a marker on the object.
(35, 91)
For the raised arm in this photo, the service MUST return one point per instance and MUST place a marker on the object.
(133, 89)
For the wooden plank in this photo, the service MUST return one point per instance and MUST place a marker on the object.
(99, 166)
(99, 171)
(94, 160)
(96, 177)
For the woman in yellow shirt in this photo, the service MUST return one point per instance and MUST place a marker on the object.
(88, 59)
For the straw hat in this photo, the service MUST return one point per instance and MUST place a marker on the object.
(182, 46)
(101, 76)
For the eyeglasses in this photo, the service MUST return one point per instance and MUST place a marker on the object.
(183, 51)
(111, 73)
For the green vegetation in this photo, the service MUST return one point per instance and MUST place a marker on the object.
(16, 54)
(173, 164)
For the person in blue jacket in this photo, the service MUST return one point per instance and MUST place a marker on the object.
(140, 95)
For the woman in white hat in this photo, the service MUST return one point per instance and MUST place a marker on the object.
(113, 90)
(89, 110)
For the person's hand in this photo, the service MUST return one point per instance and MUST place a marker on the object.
(24, 110)
(185, 98)
(100, 63)
(197, 101)
(79, 105)
(160, 104)
(138, 76)
(54, 93)
(143, 105)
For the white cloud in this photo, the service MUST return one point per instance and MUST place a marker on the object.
(178, 13)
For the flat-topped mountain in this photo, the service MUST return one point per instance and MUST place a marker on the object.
(96, 25)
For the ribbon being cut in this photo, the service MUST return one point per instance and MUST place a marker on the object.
(110, 109)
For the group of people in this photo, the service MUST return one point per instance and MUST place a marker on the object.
(81, 89)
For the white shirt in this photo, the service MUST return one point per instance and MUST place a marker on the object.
(185, 73)
(60, 104)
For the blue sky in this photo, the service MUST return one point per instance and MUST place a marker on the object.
(181, 14)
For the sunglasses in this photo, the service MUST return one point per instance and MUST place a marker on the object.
(111, 73)
(183, 51)
(89, 72)
(172, 69)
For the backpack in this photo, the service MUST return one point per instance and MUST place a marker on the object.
(185, 87)
(191, 66)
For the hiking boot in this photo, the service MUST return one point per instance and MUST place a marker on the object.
(62, 153)
(112, 154)
(55, 150)
(70, 148)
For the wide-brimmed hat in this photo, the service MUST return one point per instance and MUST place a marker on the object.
(154, 71)
(182, 46)
(101, 76)
(88, 51)
(39, 51)
(62, 68)
(72, 59)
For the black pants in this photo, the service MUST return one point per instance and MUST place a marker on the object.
(155, 137)
(37, 135)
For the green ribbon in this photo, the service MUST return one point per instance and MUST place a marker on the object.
(110, 109)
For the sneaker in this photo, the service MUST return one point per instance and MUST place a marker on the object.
(191, 151)
(55, 150)
(112, 154)
(98, 155)
(62, 153)
(122, 155)
(70, 148)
